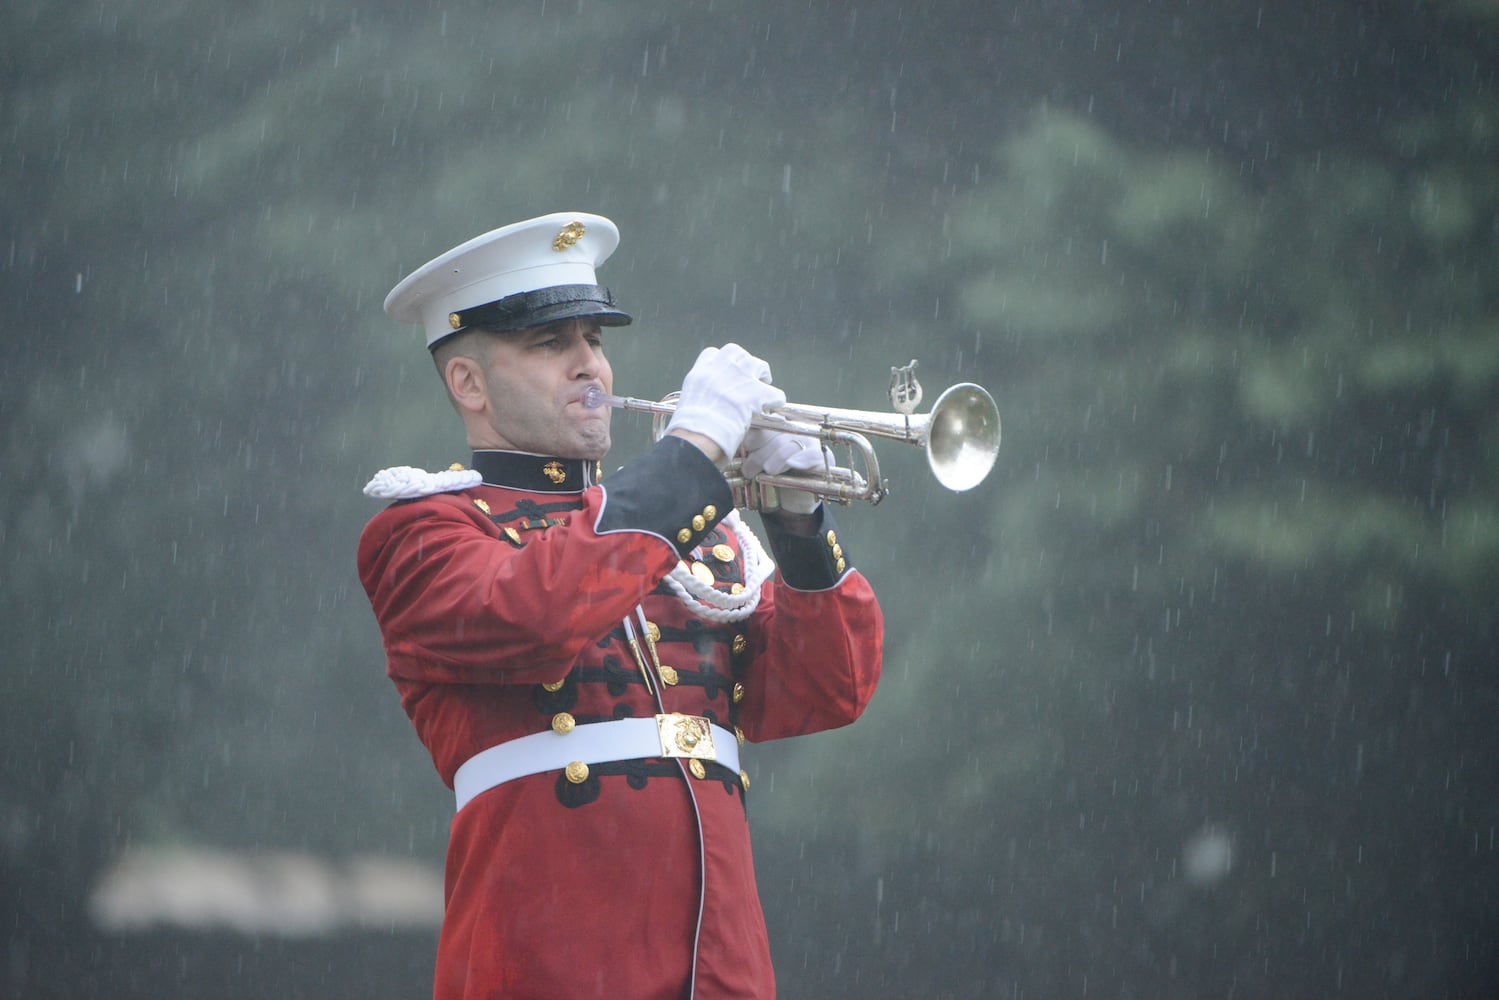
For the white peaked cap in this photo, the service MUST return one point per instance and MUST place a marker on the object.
(521, 275)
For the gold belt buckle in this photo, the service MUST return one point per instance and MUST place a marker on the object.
(685, 736)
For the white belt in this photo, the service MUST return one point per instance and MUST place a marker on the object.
(673, 735)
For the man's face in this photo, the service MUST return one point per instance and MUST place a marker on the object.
(535, 381)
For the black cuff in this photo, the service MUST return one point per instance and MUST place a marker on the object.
(673, 491)
(817, 562)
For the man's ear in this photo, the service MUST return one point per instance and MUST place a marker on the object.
(465, 380)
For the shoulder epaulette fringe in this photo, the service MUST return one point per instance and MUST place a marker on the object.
(405, 482)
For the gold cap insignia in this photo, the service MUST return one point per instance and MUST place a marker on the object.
(554, 471)
(570, 235)
(454, 321)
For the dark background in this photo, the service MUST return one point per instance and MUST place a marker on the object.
(1194, 697)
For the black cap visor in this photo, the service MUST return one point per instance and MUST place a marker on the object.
(540, 307)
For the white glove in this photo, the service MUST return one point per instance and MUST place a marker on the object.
(725, 389)
(777, 452)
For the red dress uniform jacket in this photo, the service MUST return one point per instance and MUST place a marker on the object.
(502, 607)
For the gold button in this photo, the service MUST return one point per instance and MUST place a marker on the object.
(837, 552)
(698, 524)
(723, 553)
(738, 692)
(736, 588)
(702, 573)
(563, 723)
(684, 536)
(832, 537)
(668, 675)
(740, 644)
(653, 630)
(744, 780)
(710, 512)
(696, 767)
(456, 467)
(454, 321)
(554, 686)
(841, 565)
(739, 735)
(577, 772)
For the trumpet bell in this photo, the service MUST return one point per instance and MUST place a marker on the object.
(963, 434)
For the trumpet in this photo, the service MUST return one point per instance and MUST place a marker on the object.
(960, 436)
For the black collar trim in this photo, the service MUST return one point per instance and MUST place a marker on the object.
(533, 473)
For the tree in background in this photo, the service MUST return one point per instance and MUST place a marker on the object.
(1237, 587)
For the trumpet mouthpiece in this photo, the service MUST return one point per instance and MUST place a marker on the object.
(594, 397)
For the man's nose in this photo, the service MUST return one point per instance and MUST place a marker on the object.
(585, 360)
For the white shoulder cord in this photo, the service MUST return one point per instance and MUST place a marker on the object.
(405, 482)
(707, 601)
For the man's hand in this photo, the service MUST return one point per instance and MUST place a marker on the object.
(777, 452)
(724, 390)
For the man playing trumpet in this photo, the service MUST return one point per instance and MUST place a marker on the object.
(584, 659)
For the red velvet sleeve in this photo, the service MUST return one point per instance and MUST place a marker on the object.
(817, 643)
(457, 603)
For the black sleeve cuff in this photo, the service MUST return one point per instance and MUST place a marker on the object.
(673, 491)
(817, 562)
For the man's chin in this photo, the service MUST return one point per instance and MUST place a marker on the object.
(594, 446)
